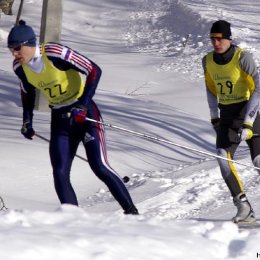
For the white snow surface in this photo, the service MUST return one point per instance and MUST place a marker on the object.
(150, 52)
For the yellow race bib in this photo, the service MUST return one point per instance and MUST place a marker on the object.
(60, 87)
(228, 82)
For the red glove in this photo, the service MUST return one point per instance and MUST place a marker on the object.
(78, 115)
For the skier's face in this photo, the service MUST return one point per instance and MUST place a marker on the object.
(22, 53)
(220, 45)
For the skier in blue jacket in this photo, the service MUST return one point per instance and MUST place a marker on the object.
(56, 71)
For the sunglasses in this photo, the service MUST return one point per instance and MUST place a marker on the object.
(17, 47)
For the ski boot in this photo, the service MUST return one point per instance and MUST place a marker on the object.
(131, 211)
(245, 213)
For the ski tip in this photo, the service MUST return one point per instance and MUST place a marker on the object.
(126, 179)
(248, 225)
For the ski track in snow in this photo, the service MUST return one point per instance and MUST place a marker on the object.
(184, 193)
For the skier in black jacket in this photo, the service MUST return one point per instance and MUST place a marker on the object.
(233, 94)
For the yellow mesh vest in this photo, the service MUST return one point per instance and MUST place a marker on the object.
(228, 82)
(60, 87)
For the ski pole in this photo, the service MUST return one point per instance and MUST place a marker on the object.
(125, 178)
(2, 203)
(154, 138)
(47, 140)
(19, 12)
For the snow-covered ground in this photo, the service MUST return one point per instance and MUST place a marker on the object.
(150, 52)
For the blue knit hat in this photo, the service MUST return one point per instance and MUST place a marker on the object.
(21, 34)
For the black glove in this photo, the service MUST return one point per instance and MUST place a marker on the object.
(27, 130)
(215, 123)
(78, 115)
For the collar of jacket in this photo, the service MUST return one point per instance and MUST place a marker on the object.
(226, 57)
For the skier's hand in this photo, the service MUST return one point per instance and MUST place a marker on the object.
(27, 130)
(215, 123)
(246, 133)
(78, 115)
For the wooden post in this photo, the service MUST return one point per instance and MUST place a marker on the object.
(51, 25)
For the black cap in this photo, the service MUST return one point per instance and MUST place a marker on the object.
(221, 29)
